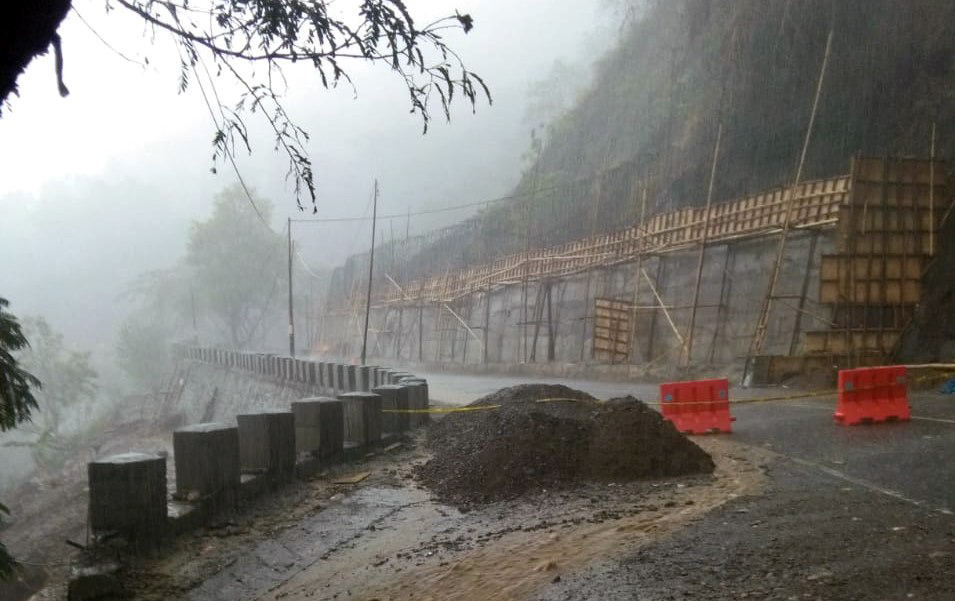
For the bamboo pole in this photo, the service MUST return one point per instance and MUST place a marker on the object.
(666, 313)
(703, 238)
(762, 323)
(371, 269)
(931, 196)
(636, 271)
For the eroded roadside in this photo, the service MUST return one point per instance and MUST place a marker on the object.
(386, 538)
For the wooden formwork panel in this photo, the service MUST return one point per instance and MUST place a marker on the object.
(858, 317)
(836, 268)
(876, 292)
(612, 325)
(898, 170)
(894, 243)
(873, 221)
(839, 342)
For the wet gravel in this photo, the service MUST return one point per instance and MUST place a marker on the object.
(810, 537)
(546, 437)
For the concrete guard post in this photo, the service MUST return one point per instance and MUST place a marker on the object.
(311, 373)
(340, 379)
(331, 423)
(397, 376)
(267, 443)
(364, 383)
(393, 397)
(410, 395)
(362, 417)
(128, 496)
(419, 400)
(207, 462)
(307, 426)
(301, 365)
(288, 367)
(351, 378)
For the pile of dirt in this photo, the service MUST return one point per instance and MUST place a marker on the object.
(545, 437)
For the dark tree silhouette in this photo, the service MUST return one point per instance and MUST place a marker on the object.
(16, 396)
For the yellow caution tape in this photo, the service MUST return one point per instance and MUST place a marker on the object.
(764, 399)
(442, 409)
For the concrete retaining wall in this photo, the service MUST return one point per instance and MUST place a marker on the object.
(734, 282)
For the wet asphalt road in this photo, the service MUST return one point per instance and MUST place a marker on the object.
(913, 461)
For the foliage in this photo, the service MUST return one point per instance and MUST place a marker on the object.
(68, 379)
(227, 286)
(142, 350)
(236, 266)
(7, 563)
(550, 96)
(16, 396)
(272, 34)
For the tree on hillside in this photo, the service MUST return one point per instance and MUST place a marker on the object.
(16, 383)
(142, 350)
(237, 267)
(231, 279)
(16, 397)
(248, 42)
(68, 379)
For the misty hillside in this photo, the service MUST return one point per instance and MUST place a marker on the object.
(648, 123)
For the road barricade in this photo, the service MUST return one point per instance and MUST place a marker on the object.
(872, 395)
(697, 407)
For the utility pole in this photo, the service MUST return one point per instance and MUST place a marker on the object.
(291, 319)
(192, 302)
(371, 267)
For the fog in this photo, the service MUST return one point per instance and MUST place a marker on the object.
(102, 185)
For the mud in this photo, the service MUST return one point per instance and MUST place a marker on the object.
(388, 538)
(544, 437)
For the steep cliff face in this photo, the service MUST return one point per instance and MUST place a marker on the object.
(752, 65)
(648, 124)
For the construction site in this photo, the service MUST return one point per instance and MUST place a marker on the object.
(797, 280)
(701, 347)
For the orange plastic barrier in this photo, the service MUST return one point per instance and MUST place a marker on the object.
(872, 394)
(697, 407)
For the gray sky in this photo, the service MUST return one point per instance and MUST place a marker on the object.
(100, 186)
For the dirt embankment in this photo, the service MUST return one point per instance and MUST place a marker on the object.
(538, 437)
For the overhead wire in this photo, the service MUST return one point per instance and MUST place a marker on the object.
(103, 40)
(225, 147)
(427, 211)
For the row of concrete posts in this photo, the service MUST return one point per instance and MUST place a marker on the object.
(217, 464)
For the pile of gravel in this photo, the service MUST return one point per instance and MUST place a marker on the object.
(529, 445)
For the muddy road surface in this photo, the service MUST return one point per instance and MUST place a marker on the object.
(798, 508)
(386, 538)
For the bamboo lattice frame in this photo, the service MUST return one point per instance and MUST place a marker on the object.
(816, 205)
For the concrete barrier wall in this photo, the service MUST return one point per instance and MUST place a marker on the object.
(217, 464)
(322, 378)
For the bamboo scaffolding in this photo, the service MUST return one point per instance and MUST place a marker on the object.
(815, 205)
